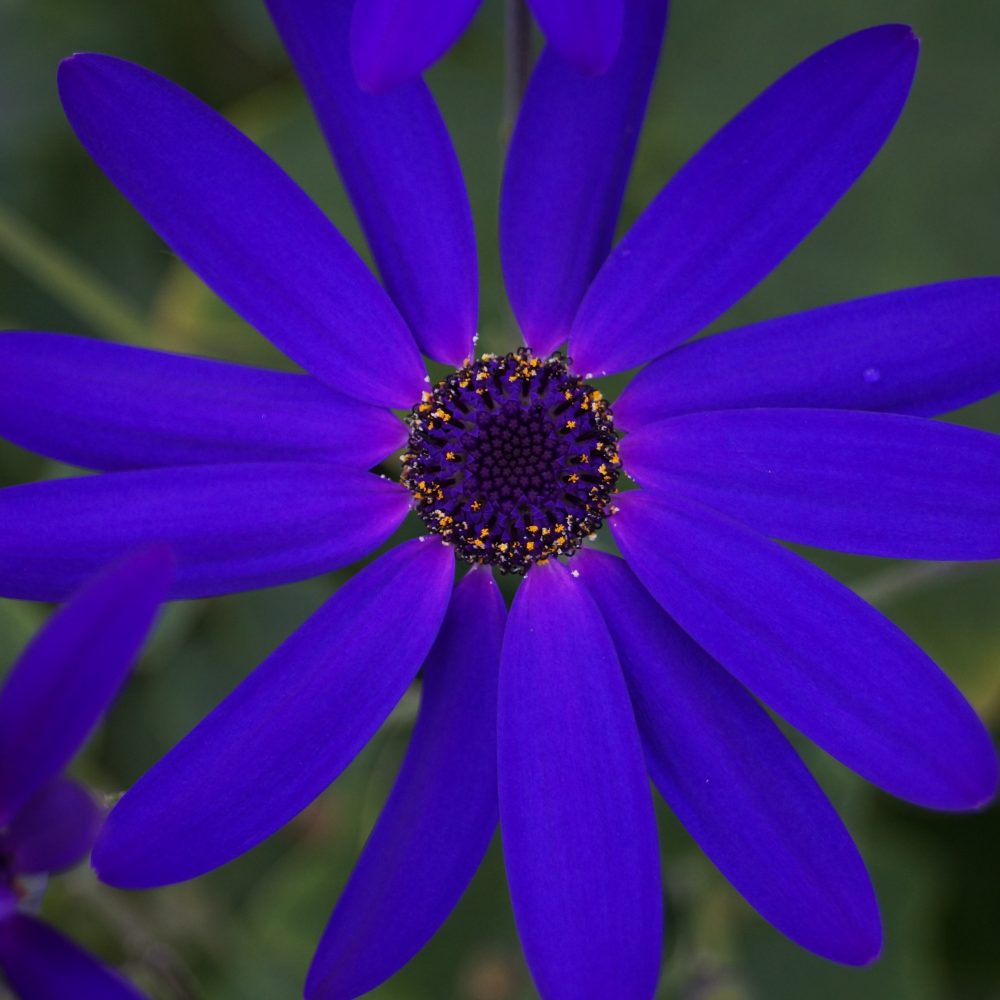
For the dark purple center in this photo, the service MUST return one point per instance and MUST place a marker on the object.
(512, 459)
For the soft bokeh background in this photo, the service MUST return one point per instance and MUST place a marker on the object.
(75, 257)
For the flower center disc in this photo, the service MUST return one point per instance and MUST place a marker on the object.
(512, 459)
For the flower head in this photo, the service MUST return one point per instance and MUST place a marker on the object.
(51, 700)
(606, 668)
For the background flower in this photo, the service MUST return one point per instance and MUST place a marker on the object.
(824, 293)
(52, 699)
(393, 41)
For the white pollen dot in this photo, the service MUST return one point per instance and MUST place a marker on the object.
(574, 572)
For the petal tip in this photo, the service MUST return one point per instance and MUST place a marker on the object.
(113, 870)
(862, 941)
(372, 79)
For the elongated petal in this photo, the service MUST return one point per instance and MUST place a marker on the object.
(54, 829)
(587, 34)
(70, 671)
(394, 41)
(565, 176)
(923, 351)
(811, 649)
(40, 964)
(276, 742)
(400, 169)
(746, 200)
(733, 779)
(575, 810)
(441, 814)
(244, 226)
(232, 527)
(879, 484)
(108, 406)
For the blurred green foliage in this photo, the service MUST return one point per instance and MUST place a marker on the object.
(75, 257)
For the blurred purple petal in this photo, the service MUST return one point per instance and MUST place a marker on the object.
(565, 176)
(54, 829)
(924, 351)
(394, 41)
(575, 808)
(287, 731)
(108, 406)
(877, 484)
(812, 650)
(441, 814)
(398, 164)
(40, 964)
(232, 527)
(66, 677)
(586, 33)
(746, 200)
(244, 226)
(733, 779)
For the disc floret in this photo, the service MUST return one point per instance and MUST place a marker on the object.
(512, 459)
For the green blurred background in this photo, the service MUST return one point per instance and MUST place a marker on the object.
(75, 257)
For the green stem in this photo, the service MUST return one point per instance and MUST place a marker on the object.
(68, 280)
(517, 59)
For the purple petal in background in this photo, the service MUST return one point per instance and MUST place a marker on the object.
(576, 814)
(441, 814)
(244, 226)
(812, 650)
(586, 33)
(54, 829)
(878, 484)
(108, 406)
(565, 176)
(924, 351)
(733, 779)
(746, 200)
(393, 41)
(41, 964)
(399, 167)
(66, 677)
(287, 731)
(232, 527)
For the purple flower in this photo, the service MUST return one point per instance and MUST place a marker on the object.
(394, 41)
(51, 701)
(811, 429)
